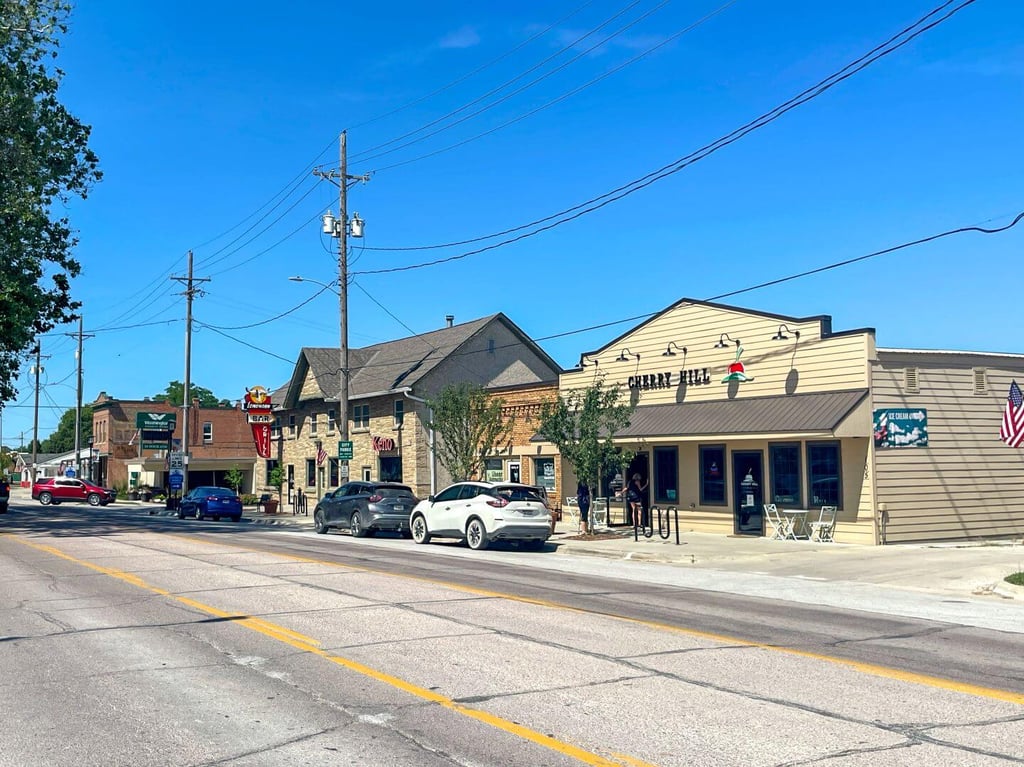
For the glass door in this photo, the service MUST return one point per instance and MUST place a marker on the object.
(748, 492)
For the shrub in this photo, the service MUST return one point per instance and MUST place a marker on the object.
(1017, 579)
(250, 500)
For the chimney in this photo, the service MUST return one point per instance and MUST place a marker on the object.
(450, 319)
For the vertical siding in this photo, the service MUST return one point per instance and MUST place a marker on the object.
(966, 483)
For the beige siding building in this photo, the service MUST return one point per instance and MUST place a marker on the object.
(389, 385)
(737, 408)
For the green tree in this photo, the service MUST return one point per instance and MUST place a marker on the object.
(63, 438)
(582, 424)
(234, 478)
(45, 160)
(469, 426)
(172, 395)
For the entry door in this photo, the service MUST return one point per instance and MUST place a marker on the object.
(748, 492)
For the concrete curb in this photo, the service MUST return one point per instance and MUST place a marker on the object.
(1008, 590)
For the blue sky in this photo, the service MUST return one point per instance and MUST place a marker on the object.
(203, 114)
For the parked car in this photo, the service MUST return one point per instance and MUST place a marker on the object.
(481, 512)
(366, 507)
(5, 494)
(216, 502)
(59, 489)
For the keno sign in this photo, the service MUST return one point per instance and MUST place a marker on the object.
(383, 444)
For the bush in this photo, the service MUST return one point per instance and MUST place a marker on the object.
(122, 490)
(250, 500)
(1017, 579)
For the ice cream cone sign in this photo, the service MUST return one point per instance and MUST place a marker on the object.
(736, 372)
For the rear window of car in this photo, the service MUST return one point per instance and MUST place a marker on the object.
(392, 491)
(216, 491)
(516, 494)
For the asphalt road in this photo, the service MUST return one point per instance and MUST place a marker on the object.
(128, 639)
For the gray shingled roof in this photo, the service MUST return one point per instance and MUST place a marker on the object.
(393, 364)
(816, 412)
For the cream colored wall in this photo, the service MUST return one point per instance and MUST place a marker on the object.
(810, 364)
(966, 483)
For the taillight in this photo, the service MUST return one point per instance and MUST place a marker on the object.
(375, 498)
(498, 502)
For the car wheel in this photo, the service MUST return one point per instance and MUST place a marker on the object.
(199, 513)
(181, 513)
(420, 533)
(355, 526)
(93, 499)
(46, 498)
(319, 525)
(476, 534)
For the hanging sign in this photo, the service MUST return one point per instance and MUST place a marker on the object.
(901, 427)
(736, 371)
(259, 413)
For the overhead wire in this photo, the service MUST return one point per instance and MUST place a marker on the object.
(594, 203)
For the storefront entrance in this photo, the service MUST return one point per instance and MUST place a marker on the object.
(748, 493)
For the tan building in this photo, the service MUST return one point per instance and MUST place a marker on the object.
(388, 387)
(521, 460)
(738, 408)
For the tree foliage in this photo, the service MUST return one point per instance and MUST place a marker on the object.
(469, 427)
(172, 395)
(582, 424)
(63, 438)
(234, 478)
(45, 160)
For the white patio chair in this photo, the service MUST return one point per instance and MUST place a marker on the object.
(599, 514)
(781, 527)
(823, 529)
(572, 506)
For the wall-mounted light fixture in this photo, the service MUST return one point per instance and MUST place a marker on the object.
(585, 364)
(625, 354)
(781, 334)
(721, 341)
(668, 350)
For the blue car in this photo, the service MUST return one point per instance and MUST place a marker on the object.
(215, 502)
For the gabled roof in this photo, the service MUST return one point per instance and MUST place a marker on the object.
(394, 365)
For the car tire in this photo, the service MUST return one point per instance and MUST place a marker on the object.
(319, 524)
(355, 526)
(45, 498)
(181, 513)
(476, 534)
(419, 532)
(199, 513)
(93, 499)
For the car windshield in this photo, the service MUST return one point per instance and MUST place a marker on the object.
(392, 491)
(516, 493)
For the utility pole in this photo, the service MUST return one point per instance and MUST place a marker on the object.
(339, 228)
(78, 406)
(190, 292)
(35, 417)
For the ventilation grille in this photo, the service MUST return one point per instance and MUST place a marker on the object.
(980, 381)
(910, 382)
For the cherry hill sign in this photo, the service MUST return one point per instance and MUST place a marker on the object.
(258, 412)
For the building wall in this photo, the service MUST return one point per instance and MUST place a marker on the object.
(965, 483)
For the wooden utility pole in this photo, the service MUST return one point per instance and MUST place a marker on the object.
(190, 292)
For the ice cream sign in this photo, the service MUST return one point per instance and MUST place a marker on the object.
(736, 371)
(258, 412)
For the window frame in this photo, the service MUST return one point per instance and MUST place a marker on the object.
(701, 450)
(291, 425)
(361, 416)
(772, 447)
(207, 432)
(399, 412)
(332, 418)
(311, 472)
(658, 496)
(313, 418)
(839, 472)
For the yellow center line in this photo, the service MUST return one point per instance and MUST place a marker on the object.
(311, 646)
(870, 669)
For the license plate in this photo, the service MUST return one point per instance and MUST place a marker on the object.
(527, 512)
(398, 508)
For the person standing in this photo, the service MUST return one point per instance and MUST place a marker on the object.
(583, 501)
(635, 498)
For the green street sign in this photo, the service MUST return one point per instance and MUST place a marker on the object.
(155, 421)
(345, 450)
(154, 445)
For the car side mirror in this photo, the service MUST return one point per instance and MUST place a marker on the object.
(430, 498)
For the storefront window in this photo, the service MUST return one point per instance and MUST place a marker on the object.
(391, 469)
(494, 471)
(310, 472)
(784, 461)
(333, 473)
(823, 472)
(712, 475)
(666, 475)
(544, 471)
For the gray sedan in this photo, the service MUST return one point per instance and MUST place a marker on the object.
(366, 507)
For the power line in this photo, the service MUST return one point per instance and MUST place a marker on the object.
(270, 319)
(595, 203)
(243, 343)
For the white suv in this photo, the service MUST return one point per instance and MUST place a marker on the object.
(480, 512)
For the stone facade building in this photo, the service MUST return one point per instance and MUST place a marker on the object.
(389, 384)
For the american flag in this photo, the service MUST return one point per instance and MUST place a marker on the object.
(1012, 430)
(321, 455)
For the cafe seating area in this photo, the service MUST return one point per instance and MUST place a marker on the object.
(800, 524)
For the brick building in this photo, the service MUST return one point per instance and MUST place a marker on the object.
(219, 437)
(521, 460)
(388, 386)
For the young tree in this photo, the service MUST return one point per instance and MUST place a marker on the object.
(234, 478)
(469, 426)
(44, 161)
(174, 395)
(582, 424)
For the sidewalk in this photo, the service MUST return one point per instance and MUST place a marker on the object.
(976, 569)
